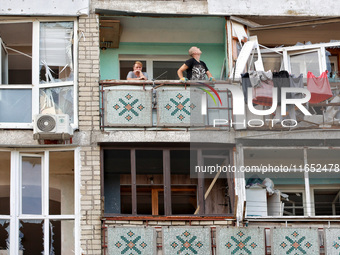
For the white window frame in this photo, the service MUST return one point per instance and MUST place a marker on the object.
(149, 59)
(294, 189)
(300, 49)
(36, 86)
(15, 197)
(318, 51)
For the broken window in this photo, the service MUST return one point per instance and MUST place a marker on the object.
(158, 182)
(46, 207)
(57, 100)
(117, 181)
(273, 187)
(183, 188)
(16, 57)
(61, 236)
(216, 187)
(3, 63)
(56, 52)
(41, 54)
(31, 236)
(327, 201)
(4, 235)
(149, 180)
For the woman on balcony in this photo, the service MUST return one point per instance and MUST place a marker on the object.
(137, 73)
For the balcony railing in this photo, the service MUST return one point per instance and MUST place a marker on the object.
(173, 105)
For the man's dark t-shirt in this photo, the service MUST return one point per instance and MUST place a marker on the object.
(197, 70)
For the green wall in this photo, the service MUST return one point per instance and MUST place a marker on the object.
(212, 54)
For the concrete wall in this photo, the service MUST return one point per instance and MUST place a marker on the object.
(275, 8)
(44, 7)
(153, 6)
(222, 7)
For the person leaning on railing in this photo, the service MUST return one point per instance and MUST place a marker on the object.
(196, 69)
(137, 73)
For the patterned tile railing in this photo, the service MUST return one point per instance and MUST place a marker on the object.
(180, 107)
(186, 240)
(128, 108)
(332, 241)
(131, 241)
(222, 240)
(239, 241)
(295, 241)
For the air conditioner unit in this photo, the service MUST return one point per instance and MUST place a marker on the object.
(52, 127)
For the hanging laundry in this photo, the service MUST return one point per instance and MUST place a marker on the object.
(263, 93)
(296, 82)
(245, 82)
(319, 87)
(281, 80)
(257, 76)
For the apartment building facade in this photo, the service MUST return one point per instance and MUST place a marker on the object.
(123, 176)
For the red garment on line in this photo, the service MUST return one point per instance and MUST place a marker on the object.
(263, 94)
(319, 87)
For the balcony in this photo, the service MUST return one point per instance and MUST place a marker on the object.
(201, 105)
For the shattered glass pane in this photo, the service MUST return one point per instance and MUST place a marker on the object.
(61, 237)
(56, 52)
(16, 105)
(4, 235)
(31, 237)
(5, 171)
(61, 183)
(57, 100)
(31, 185)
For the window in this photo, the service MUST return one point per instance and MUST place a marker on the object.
(156, 181)
(157, 67)
(43, 217)
(326, 201)
(304, 62)
(37, 71)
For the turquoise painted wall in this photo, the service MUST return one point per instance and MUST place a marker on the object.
(212, 54)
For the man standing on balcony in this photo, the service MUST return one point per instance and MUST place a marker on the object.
(137, 73)
(196, 69)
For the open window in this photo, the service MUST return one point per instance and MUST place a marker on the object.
(326, 201)
(156, 66)
(158, 181)
(305, 182)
